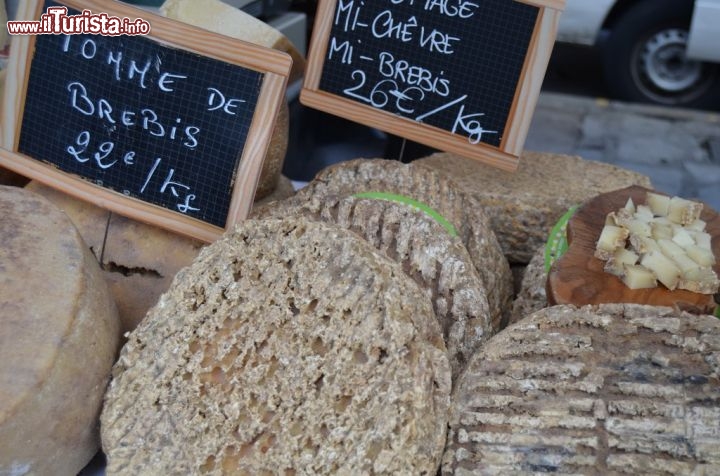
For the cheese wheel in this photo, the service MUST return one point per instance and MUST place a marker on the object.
(440, 194)
(612, 389)
(427, 252)
(59, 334)
(288, 347)
(219, 17)
(284, 189)
(523, 206)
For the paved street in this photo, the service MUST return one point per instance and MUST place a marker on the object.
(678, 149)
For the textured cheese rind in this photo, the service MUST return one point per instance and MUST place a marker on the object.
(438, 262)
(524, 205)
(598, 390)
(287, 344)
(59, 334)
(439, 193)
(532, 295)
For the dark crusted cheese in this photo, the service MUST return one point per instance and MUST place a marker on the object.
(614, 389)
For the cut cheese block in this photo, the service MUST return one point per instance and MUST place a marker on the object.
(614, 389)
(275, 156)
(440, 194)
(532, 295)
(59, 334)
(523, 206)
(437, 261)
(288, 347)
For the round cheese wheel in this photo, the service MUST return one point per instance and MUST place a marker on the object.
(287, 347)
(612, 389)
(440, 194)
(428, 253)
(59, 334)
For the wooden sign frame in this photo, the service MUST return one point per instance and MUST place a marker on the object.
(506, 156)
(274, 65)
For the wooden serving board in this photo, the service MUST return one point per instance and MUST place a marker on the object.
(578, 277)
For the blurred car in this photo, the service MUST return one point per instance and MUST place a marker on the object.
(658, 51)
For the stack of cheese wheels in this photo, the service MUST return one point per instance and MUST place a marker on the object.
(59, 336)
(219, 17)
(439, 194)
(428, 253)
(523, 206)
(614, 389)
(288, 347)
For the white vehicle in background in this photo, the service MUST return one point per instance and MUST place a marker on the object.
(659, 51)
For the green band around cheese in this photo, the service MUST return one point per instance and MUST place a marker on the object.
(557, 244)
(391, 197)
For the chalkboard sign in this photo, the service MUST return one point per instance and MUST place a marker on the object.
(170, 128)
(460, 75)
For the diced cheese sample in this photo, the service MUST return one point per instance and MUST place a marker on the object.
(668, 237)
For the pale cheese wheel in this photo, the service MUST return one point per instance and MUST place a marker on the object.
(59, 334)
(219, 17)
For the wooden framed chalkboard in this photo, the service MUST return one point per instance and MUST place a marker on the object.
(170, 128)
(459, 75)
